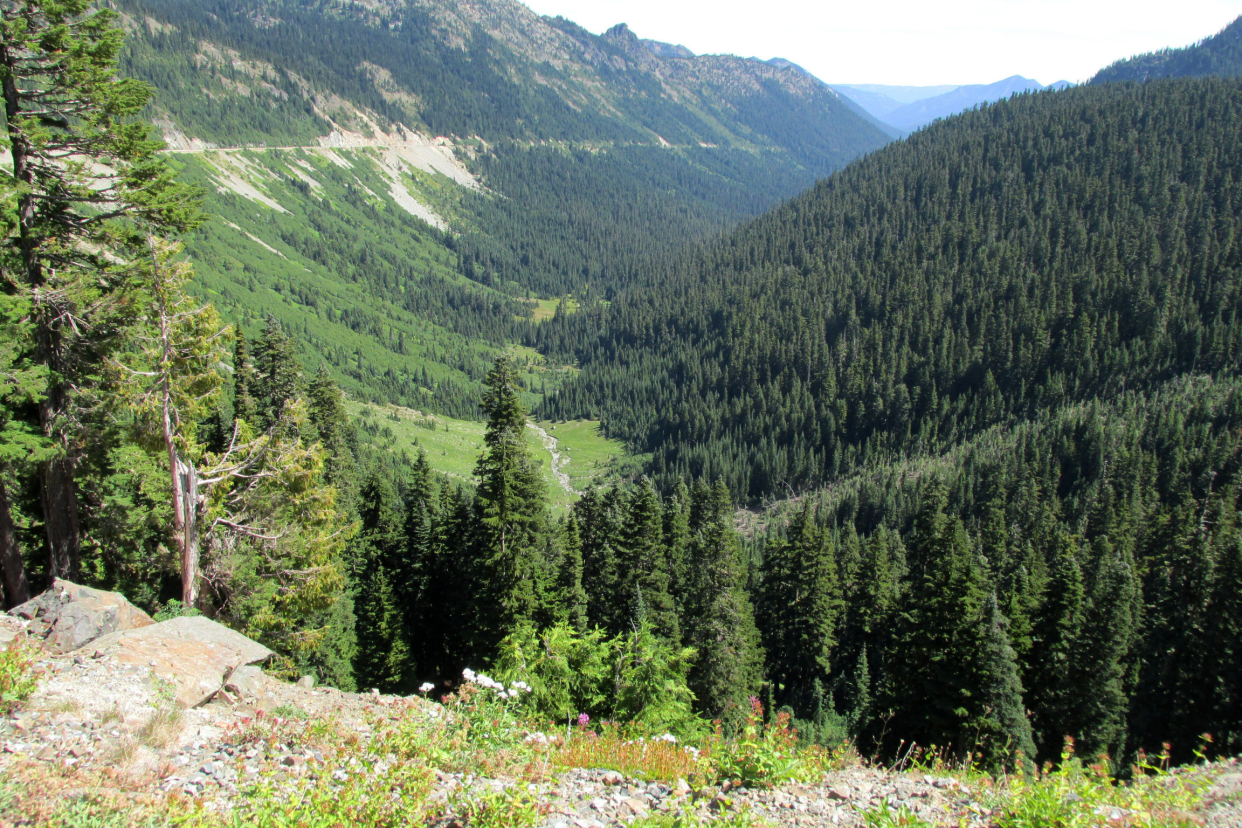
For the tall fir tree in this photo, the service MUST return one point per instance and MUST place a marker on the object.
(645, 563)
(511, 511)
(277, 373)
(721, 625)
(572, 597)
(799, 610)
(87, 184)
(1051, 668)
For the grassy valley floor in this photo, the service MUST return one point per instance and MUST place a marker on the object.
(573, 454)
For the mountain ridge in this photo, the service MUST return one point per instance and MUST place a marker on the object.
(485, 122)
(1220, 55)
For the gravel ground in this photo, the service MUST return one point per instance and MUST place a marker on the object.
(94, 714)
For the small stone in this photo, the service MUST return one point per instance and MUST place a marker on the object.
(841, 793)
(612, 778)
(636, 806)
(307, 682)
(47, 754)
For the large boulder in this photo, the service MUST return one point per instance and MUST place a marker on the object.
(69, 615)
(192, 655)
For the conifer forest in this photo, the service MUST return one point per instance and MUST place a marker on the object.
(935, 440)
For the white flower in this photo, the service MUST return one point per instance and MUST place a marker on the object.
(468, 674)
(426, 687)
(667, 737)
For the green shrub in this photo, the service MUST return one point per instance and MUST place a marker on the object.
(175, 609)
(17, 679)
(759, 756)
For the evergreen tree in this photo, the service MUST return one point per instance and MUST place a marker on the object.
(940, 677)
(383, 656)
(1102, 657)
(1224, 716)
(1051, 668)
(599, 518)
(860, 712)
(21, 441)
(645, 562)
(245, 405)
(572, 596)
(85, 174)
(278, 373)
(511, 510)
(799, 609)
(676, 542)
(1006, 733)
(721, 625)
(326, 408)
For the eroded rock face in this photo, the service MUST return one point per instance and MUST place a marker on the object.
(193, 655)
(69, 616)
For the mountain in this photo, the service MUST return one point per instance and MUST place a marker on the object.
(998, 363)
(994, 266)
(919, 113)
(1219, 55)
(862, 112)
(668, 50)
(881, 101)
(407, 186)
(898, 94)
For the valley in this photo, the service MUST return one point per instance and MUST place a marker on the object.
(764, 436)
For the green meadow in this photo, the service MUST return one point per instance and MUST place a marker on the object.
(453, 446)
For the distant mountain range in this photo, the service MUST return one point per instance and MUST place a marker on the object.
(1220, 55)
(907, 108)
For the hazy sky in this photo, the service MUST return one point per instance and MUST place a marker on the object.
(915, 42)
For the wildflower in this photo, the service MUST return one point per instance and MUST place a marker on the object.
(468, 674)
(667, 737)
(426, 687)
(583, 720)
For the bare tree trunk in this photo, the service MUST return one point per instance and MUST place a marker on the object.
(16, 589)
(185, 491)
(60, 518)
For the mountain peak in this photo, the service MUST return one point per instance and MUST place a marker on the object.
(620, 33)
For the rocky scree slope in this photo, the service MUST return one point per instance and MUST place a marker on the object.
(143, 711)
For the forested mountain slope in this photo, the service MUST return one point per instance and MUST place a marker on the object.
(558, 161)
(1220, 55)
(999, 363)
(1050, 249)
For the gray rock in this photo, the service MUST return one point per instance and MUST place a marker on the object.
(306, 682)
(69, 616)
(248, 681)
(193, 655)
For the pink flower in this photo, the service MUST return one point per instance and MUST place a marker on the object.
(583, 720)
